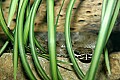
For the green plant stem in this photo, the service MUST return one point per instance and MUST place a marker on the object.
(104, 5)
(39, 45)
(105, 52)
(52, 39)
(101, 42)
(15, 46)
(59, 13)
(4, 47)
(68, 40)
(107, 60)
(115, 14)
(12, 9)
(58, 61)
(26, 31)
(21, 42)
(27, 27)
(32, 43)
(4, 25)
(114, 17)
(28, 10)
(15, 54)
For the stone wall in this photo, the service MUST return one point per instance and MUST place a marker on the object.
(85, 16)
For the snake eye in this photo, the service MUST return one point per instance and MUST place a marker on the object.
(77, 52)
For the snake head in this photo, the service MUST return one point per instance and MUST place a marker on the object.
(83, 54)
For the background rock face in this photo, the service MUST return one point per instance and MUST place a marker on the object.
(85, 15)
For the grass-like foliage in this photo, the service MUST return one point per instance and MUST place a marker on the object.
(23, 36)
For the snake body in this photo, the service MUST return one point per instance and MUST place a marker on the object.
(83, 44)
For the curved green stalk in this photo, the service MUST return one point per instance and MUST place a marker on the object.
(114, 17)
(27, 27)
(28, 10)
(107, 60)
(21, 42)
(52, 39)
(12, 9)
(26, 31)
(104, 6)
(68, 40)
(115, 14)
(39, 45)
(59, 13)
(4, 47)
(105, 52)
(4, 25)
(32, 43)
(58, 61)
(15, 54)
(101, 42)
(15, 46)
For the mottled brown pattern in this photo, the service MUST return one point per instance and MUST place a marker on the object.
(85, 16)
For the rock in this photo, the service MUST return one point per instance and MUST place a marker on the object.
(115, 66)
(6, 68)
(85, 15)
(78, 40)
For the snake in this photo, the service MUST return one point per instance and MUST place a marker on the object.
(83, 45)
